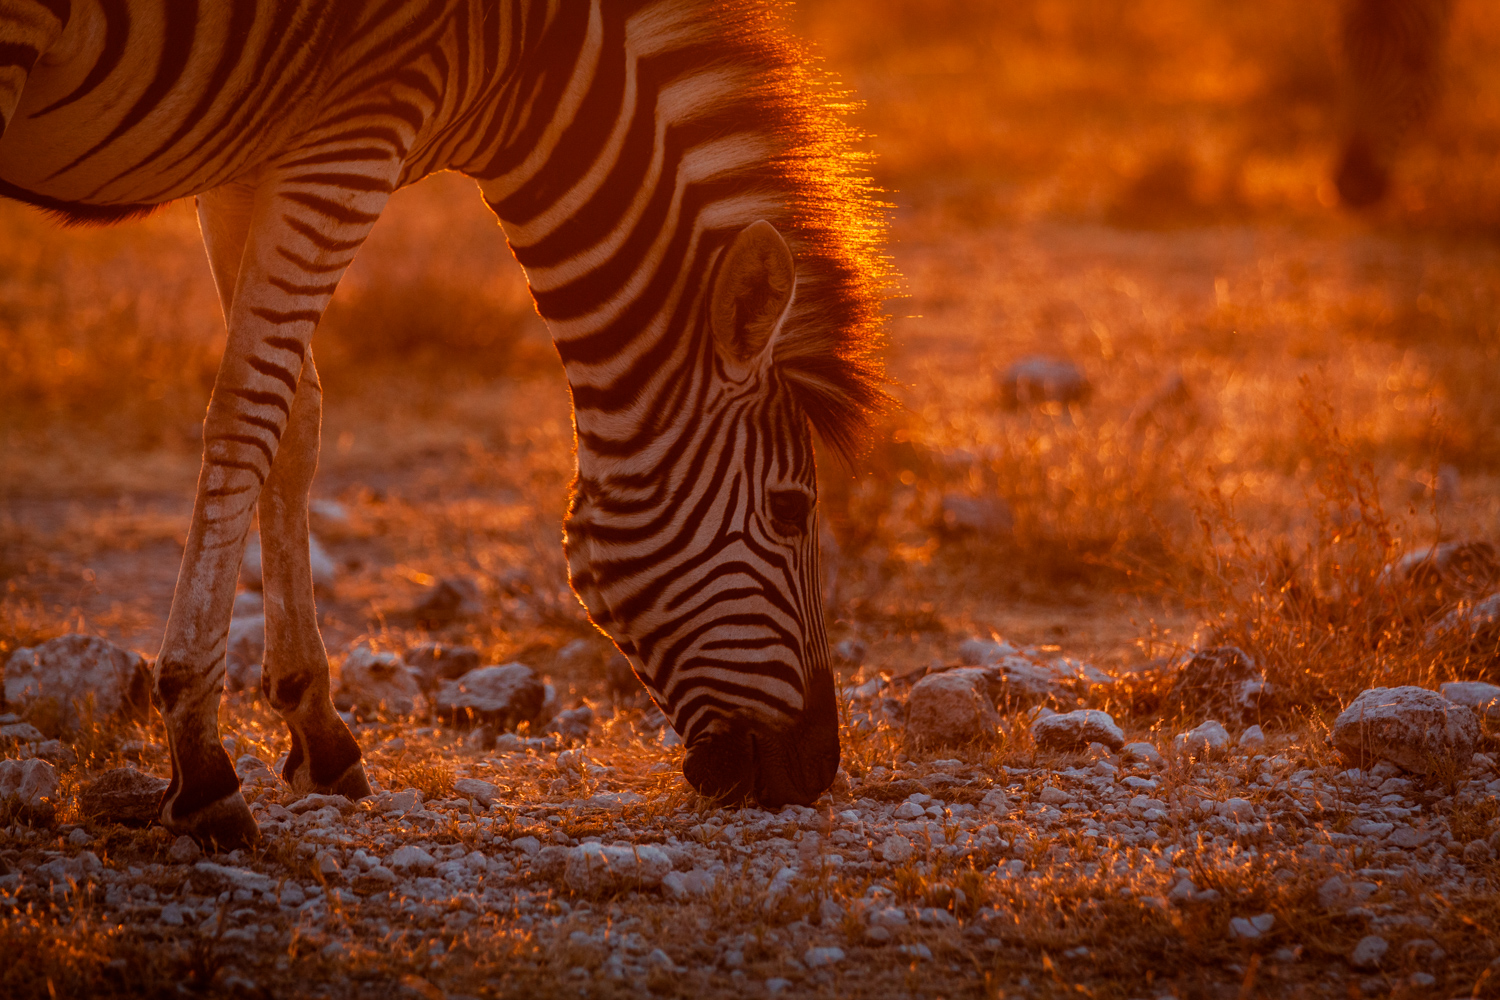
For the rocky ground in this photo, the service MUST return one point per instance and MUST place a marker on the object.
(1057, 853)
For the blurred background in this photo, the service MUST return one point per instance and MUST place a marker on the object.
(1161, 384)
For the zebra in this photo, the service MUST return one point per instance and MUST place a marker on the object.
(1393, 72)
(688, 203)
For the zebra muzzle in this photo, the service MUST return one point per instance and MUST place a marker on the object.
(740, 760)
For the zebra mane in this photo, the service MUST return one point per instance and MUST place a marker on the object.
(829, 215)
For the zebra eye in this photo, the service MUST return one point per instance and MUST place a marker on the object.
(790, 510)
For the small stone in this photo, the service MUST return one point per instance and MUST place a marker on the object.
(74, 671)
(235, 878)
(410, 858)
(1075, 730)
(876, 934)
(324, 570)
(371, 682)
(573, 724)
(776, 985)
(596, 869)
(435, 662)
(326, 864)
(1041, 378)
(1223, 680)
(1483, 698)
(1253, 738)
(184, 851)
(1054, 796)
(450, 599)
(1205, 740)
(316, 800)
(1414, 728)
(1369, 953)
(817, 958)
(896, 849)
(173, 914)
(987, 516)
(950, 708)
(247, 648)
(1251, 928)
(123, 795)
(21, 732)
(984, 652)
(31, 785)
(483, 792)
(849, 653)
(1143, 752)
(503, 696)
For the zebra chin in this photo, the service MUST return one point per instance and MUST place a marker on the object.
(741, 759)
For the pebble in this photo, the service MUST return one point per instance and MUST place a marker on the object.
(1251, 928)
(1369, 953)
(596, 869)
(31, 784)
(435, 662)
(74, 669)
(1413, 728)
(123, 795)
(503, 696)
(951, 708)
(1144, 752)
(184, 851)
(817, 958)
(450, 599)
(1076, 730)
(372, 682)
(1253, 738)
(1482, 698)
(410, 858)
(896, 849)
(1205, 740)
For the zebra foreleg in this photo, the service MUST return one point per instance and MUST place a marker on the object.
(286, 243)
(324, 755)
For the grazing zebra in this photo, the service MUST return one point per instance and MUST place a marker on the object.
(1393, 64)
(685, 206)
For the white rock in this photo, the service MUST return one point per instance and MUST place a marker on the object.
(247, 648)
(995, 801)
(1204, 741)
(595, 868)
(483, 792)
(1253, 738)
(984, 652)
(896, 849)
(1482, 698)
(410, 858)
(685, 885)
(371, 682)
(817, 958)
(74, 669)
(1251, 928)
(1075, 730)
(239, 878)
(21, 732)
(1239, 810)
(1054, 796)
(184, 851)
(324, 570)
(1369, 953)
(949, 708)
(1411, 727)
(1042, 378)
(31, 783)
(1144, 752)
(503, 696)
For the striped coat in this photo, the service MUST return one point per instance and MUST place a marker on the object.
(694, 231)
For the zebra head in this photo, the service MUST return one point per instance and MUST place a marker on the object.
(701, 562)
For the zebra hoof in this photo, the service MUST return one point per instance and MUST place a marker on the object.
(352, 785)
(219, 826)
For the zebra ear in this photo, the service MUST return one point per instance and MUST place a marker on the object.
(750, 294)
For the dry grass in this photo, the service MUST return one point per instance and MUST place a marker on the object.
(1284, 403)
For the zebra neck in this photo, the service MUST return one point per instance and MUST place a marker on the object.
(617, 204)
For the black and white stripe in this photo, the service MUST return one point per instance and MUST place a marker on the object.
(693, 229)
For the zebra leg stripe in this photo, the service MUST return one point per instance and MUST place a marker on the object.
(324, 756)
(302, 235)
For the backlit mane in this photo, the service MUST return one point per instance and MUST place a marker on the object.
(833, 223)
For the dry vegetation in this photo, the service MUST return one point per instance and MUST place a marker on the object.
(1285, 402)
